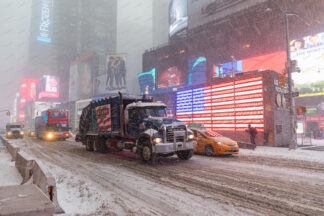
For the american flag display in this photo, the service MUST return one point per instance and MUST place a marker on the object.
(229, 106)
(103, 115)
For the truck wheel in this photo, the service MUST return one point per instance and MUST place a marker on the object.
(146, 153)
(185, 155)
(100, 145)
(89, 144)
(209, 151)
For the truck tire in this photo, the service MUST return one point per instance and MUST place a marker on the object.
(100, 145)
(146, 153)
(89, 144)
(185, 155)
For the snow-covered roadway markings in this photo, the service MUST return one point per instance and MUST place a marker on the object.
(243, 185)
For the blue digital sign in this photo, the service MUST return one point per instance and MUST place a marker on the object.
(197, 71)
(147, 81)
(45, 21)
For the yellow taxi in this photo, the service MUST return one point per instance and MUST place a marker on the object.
(212, 143)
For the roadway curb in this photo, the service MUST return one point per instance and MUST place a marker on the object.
(245, 145)
(12, 149)
(29, 167)
(25, 165)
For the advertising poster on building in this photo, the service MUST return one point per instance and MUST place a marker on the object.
(48, 87)
(178, 18)
(114, 79)
(309, 53)
(205, 11)
(81, 78)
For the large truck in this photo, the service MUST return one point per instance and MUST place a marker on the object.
(53, 124)
(15, 130)
(136, 124)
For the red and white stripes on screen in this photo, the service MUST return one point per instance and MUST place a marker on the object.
(230, 106)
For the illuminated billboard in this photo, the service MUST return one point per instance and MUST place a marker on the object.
(178, 19)
(27, 93)
(147, 81)
(197, 68)
(309, 53)
(45, 23)
(80, 85)
(48, 87)
(272, 61)
(229, 106)
(205, 11)
(172, 70)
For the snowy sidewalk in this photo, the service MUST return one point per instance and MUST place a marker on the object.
(285, 153)
(8, 172)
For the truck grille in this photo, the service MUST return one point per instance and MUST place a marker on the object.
(170, 133)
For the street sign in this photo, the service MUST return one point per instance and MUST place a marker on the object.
(312, 111)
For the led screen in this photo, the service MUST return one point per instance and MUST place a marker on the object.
(178, 19)
(272, 61)
(48, 87)
(197, 68)
(309, 54)
(229, 106)
(172, 70)
(147, 81)
(45, 22)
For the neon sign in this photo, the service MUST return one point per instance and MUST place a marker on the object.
(227, 106)
(45, 21)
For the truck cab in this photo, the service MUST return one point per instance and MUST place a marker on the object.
(15, 130)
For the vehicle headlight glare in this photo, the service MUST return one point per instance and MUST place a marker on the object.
(21, 132)
(49, 135)
(191, 136)
(157, 140)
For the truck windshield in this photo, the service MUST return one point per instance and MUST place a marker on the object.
(156, 112)
(14, 126)
(58, 115)
(57, 127)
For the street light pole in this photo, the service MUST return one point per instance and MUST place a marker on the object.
(292, 143)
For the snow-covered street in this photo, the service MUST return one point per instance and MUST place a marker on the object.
(260, 182)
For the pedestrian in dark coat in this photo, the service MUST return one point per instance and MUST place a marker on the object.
(253, 132)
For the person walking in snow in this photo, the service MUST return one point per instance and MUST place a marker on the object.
(253, 132)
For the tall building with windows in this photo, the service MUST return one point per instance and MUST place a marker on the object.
(62, 31)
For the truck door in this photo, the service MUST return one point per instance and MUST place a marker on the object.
(134, 119)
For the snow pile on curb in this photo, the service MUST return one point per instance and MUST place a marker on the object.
(285, 153)
(8, 172)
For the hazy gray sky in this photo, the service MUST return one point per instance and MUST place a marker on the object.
(14, 32)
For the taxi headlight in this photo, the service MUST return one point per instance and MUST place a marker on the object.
(157, 140)
(191, 136)
(9, 133)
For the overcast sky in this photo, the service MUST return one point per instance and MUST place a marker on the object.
(14, 32)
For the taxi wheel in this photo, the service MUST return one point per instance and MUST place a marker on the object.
(209, 151)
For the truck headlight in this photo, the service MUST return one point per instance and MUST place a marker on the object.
(50, 135)
(157, 140)
(191, 136)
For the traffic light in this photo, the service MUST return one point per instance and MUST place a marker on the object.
(301, 110)
(282, 80)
